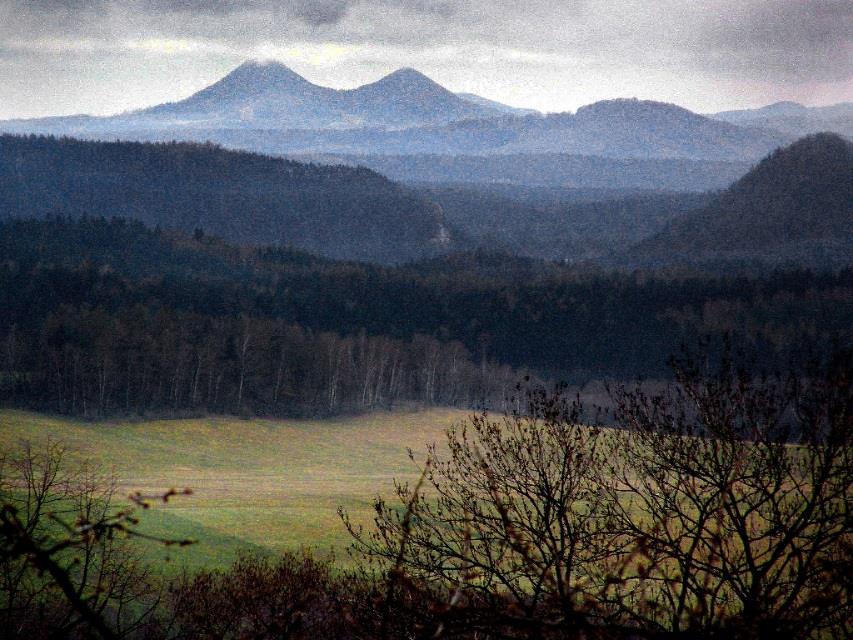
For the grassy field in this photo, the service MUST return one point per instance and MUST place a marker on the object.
(267, 485)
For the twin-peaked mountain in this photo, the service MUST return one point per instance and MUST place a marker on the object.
(269, 95)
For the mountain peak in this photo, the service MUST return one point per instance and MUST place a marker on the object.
(260, 72)
(408, 73)
(407, 77)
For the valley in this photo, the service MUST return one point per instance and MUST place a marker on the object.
(349, 320)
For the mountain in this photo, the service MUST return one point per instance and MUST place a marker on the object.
(613, 129)
(337, 212)
(253, 94)
(777, 109)
(796, 207)
(269, 95)
(407, 98)
(498, 106)
(794, 119)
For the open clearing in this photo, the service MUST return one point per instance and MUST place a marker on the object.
(266, 485)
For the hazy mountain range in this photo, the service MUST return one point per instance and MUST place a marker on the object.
(269, 95)
(268, 108)
(794, 119)
(547, 170)
(468, 165)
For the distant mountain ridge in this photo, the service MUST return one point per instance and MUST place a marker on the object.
(548, 170)
(268, 108)
(795, 207)
(614, 129)
(499, 106)
(794, 118)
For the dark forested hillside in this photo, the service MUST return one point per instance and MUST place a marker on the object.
(557, 225)
(795, 207)
(340, 212)
(109, 316)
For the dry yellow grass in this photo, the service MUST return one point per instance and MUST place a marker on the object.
(269, 485)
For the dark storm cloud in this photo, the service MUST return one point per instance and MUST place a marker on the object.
(793, 39)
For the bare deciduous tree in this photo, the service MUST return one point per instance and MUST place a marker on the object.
(740, 491)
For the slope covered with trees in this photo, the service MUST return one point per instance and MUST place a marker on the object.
(556, 226)
(340, 212)
(796, 206)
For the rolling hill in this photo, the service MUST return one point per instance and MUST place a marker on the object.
(795, 207)
(338, 212)
(614, 129)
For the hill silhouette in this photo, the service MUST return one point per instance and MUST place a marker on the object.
(796, 206)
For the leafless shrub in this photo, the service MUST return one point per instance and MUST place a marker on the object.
(66, 565)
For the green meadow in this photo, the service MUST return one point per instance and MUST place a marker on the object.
(264, 485)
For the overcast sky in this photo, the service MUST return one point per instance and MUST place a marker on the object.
(98, 56)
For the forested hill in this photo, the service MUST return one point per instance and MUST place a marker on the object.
(796, 206)
(103, 316)
(338, 212)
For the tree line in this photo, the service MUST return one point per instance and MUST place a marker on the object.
(104, 316)
(88, 362)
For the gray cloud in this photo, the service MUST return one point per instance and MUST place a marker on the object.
(313, 12)
(792, 40)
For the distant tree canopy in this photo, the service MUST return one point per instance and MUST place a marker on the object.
(103, 316)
